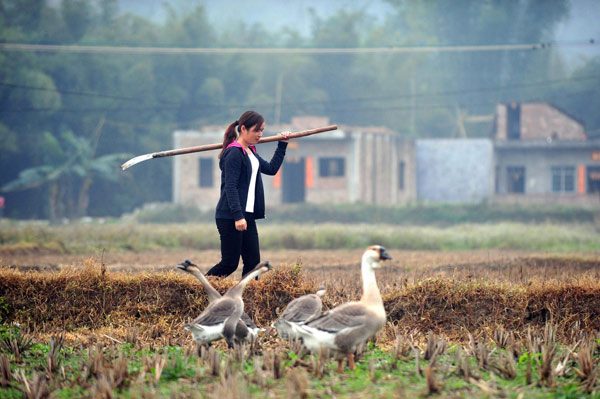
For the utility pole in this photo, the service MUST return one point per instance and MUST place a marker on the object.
(413, 127)
(278, 94)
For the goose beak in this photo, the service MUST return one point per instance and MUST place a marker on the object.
(383, 254)
(268, 265)
(184, 265)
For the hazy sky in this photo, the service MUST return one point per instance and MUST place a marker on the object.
(582, 23)
(272, 14)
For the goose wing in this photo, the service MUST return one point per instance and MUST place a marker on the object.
(302, 309)
(248, 321)
(216, 312)
(345, 316)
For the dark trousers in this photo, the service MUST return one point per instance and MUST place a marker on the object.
(235, 243)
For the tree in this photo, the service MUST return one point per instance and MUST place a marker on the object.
(475, 22)
(77, 16)
(75, 167)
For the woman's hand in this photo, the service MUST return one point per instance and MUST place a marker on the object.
(285, 137)
(241, 225)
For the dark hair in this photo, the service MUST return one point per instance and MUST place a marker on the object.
(248, 119)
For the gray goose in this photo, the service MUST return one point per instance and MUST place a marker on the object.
(342, 329)
(246, 330)
(221, 316)
(299, 311)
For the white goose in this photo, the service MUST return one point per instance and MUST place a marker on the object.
(246, 330)
(221, 316)
(299, 311)
(344, 328)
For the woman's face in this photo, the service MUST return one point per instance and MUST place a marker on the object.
(254, 134)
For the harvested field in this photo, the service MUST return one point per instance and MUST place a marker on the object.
(482, 289)
(469, 324)
(344, 265)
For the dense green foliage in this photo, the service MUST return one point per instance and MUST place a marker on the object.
(132, 103)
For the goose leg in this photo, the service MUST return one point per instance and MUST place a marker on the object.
(340, 368)
(351, 363)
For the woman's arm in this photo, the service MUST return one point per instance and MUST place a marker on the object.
(271, 168)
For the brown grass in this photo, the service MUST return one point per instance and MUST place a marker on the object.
(156, 303)
(87, 302)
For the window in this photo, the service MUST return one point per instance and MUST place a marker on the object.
(401, 175)
(331, 167)
(205, 174)
(515, 179)
(563, 179)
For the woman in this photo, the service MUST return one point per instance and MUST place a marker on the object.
(242, 198)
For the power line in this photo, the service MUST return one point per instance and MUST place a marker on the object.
(311, 105)
(462, 91)
(233, 106)
(131, 50)
(441, 106)
(77, 93)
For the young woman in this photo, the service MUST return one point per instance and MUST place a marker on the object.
(242, 198)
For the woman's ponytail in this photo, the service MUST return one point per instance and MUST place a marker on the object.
(229, 136)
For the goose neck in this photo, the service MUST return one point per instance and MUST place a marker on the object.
(371, 294)
(211, 292)
(236, 290)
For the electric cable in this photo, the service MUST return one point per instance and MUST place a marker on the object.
(146, 50)
(297, 103)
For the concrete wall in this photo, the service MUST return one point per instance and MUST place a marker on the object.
(379, 167)
(455, 170)
(537, 163)
(186, 189)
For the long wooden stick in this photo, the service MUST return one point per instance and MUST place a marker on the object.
(216, 146)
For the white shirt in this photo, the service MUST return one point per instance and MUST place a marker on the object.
(252, 187)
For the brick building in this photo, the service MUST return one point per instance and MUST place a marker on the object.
(537, 153)
(351, 164)
(542, 154)
(534, 121)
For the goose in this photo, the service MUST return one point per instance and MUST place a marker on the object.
(342, 329)
(246, 330)
(299, 311)
(221, 316)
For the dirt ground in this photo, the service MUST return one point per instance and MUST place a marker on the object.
(315, 261)
(164, 260)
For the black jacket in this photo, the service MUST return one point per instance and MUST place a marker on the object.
(236, 172)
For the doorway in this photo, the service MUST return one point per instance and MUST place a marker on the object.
(515, 178)
(293, 183)
(593, 179)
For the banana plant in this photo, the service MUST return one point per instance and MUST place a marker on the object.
(72, 163)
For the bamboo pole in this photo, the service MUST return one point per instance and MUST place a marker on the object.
(216, 146)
